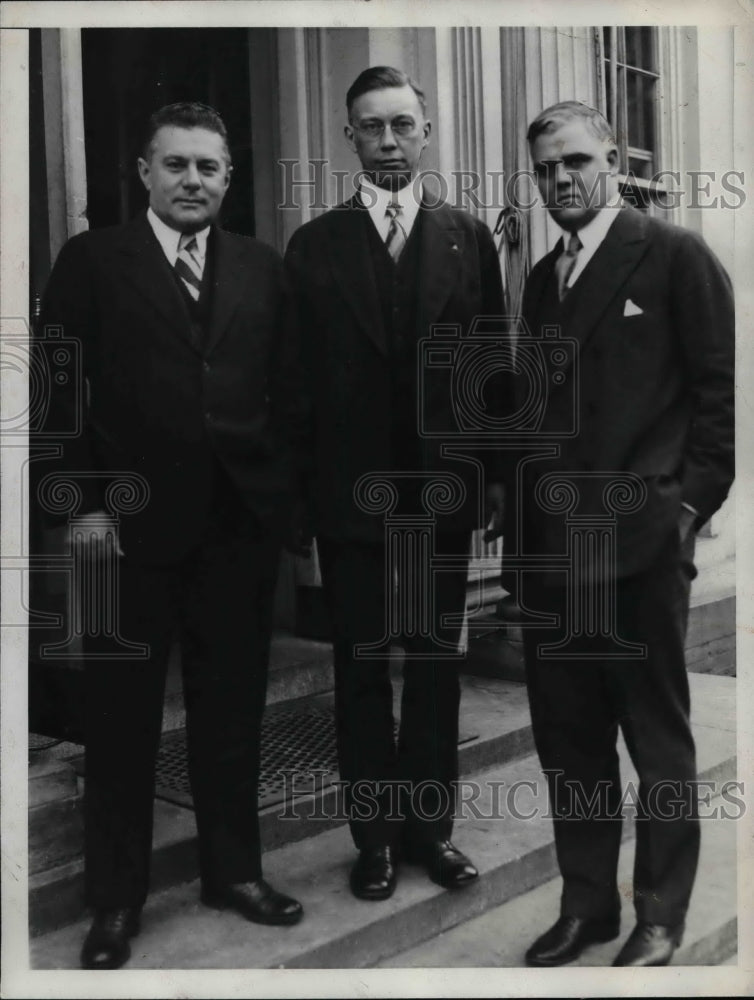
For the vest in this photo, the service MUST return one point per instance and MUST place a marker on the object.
(200, 310)
(396, 289)
(228, 511)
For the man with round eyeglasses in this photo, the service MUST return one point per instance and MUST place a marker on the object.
(372, 278)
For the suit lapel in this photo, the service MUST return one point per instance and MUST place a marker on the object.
(351, 263)
(146, 268)
(229, 283)
(607, 271)
(535, 289)
(441, 255)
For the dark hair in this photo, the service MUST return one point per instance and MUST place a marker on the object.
(566, 111)
(380, 78)
(185, 114)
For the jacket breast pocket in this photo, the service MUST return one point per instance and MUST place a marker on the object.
(635, 334)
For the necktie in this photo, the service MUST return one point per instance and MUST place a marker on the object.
(396, 237)
(565, 264)
(188, 265)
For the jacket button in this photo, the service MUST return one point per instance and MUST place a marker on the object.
(206, 366)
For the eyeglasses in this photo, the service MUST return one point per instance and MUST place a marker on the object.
(373, 128)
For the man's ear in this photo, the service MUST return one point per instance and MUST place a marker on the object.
(144, 173)
(426, 129)
(612, 159)
(350, 138)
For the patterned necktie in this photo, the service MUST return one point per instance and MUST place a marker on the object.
(565, 264)
(396, 237)
(188, 265)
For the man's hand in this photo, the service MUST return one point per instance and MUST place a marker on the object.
(493, 511)
(94, 531)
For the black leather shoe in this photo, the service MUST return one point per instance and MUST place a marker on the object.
(106, 945)
(256, 901)
(445, 864)
(373, 876)
(568, 937)
(650, 944)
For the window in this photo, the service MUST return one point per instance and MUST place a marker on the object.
(629, 77)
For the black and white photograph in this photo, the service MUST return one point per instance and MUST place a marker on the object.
(376, 563)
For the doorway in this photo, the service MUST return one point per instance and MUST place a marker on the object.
(130, 72)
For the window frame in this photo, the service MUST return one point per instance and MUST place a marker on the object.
(644, 193)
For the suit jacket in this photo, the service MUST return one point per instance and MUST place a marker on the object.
(160, 404)
(346, 354)
(650, 384)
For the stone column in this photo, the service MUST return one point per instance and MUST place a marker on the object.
(65, 152)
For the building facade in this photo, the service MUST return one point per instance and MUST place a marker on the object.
(669, 91)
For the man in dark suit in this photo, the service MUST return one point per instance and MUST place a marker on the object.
(371, 278)
(643, 412)
(186, 346)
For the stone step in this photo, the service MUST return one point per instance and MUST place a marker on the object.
(495, 647)
(501, 936)
(514, 854)
(302, 667)
(495, 727)
(298, 668)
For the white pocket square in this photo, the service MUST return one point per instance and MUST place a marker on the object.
(631, 309)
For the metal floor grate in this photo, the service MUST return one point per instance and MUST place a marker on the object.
(292, 740)
(300, 740)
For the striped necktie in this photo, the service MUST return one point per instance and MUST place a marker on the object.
(188, 265)
(565, 264)
(396, 237)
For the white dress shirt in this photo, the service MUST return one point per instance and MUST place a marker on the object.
(592, 235)
(377, 200)
(169, 239)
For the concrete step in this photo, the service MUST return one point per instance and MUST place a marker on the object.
(513, 852)
(495, 643)
(500, 937)
(298, 668)
(495, 727)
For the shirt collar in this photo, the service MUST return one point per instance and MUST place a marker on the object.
(377, 199)
(169, 238)
(594, 232)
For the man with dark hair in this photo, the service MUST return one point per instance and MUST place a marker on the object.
(185, 114)
(382, 78)
(644, 413)
(373, 277)
(186, 341)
